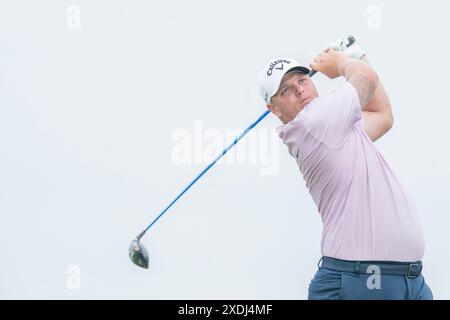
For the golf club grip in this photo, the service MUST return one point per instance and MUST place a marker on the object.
(351, 40)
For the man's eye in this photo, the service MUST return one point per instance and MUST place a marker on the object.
(302, 81)
(284, 91)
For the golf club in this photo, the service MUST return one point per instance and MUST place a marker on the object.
(137, 252)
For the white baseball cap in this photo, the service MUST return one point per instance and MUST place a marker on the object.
(273, 72)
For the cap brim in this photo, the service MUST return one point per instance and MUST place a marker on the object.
(298, 68)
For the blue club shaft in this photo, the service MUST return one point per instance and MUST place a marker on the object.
(204, 171)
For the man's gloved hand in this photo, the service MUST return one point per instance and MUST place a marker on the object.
(342, 44)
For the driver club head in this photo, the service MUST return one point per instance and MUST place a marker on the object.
(138, 254)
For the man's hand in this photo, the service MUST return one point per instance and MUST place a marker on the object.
(329, 62)
(342, 44)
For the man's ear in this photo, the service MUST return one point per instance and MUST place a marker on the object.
(271, 107)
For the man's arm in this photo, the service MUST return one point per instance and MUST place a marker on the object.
(375, 107)
(360, 74)
(377, 113)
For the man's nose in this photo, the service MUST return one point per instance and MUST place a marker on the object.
(300, 90)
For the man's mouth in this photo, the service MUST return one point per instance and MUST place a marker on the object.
(307, 99)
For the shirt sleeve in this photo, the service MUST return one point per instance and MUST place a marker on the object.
(331, 117)
(296, 137)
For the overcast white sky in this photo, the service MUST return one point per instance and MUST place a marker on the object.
(98, 99)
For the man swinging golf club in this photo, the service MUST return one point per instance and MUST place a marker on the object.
(372, 242)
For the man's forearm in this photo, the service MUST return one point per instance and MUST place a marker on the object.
(379, 102)
(361, 75)
(377, 114)
(349, 67)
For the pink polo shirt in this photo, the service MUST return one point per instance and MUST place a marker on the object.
(367, 213)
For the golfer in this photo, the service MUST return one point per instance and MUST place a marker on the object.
(372, 241)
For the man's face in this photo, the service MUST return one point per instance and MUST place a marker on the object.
(295, 92)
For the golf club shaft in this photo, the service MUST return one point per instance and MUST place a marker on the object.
(206, 169)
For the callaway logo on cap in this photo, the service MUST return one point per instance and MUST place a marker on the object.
(273, 72)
